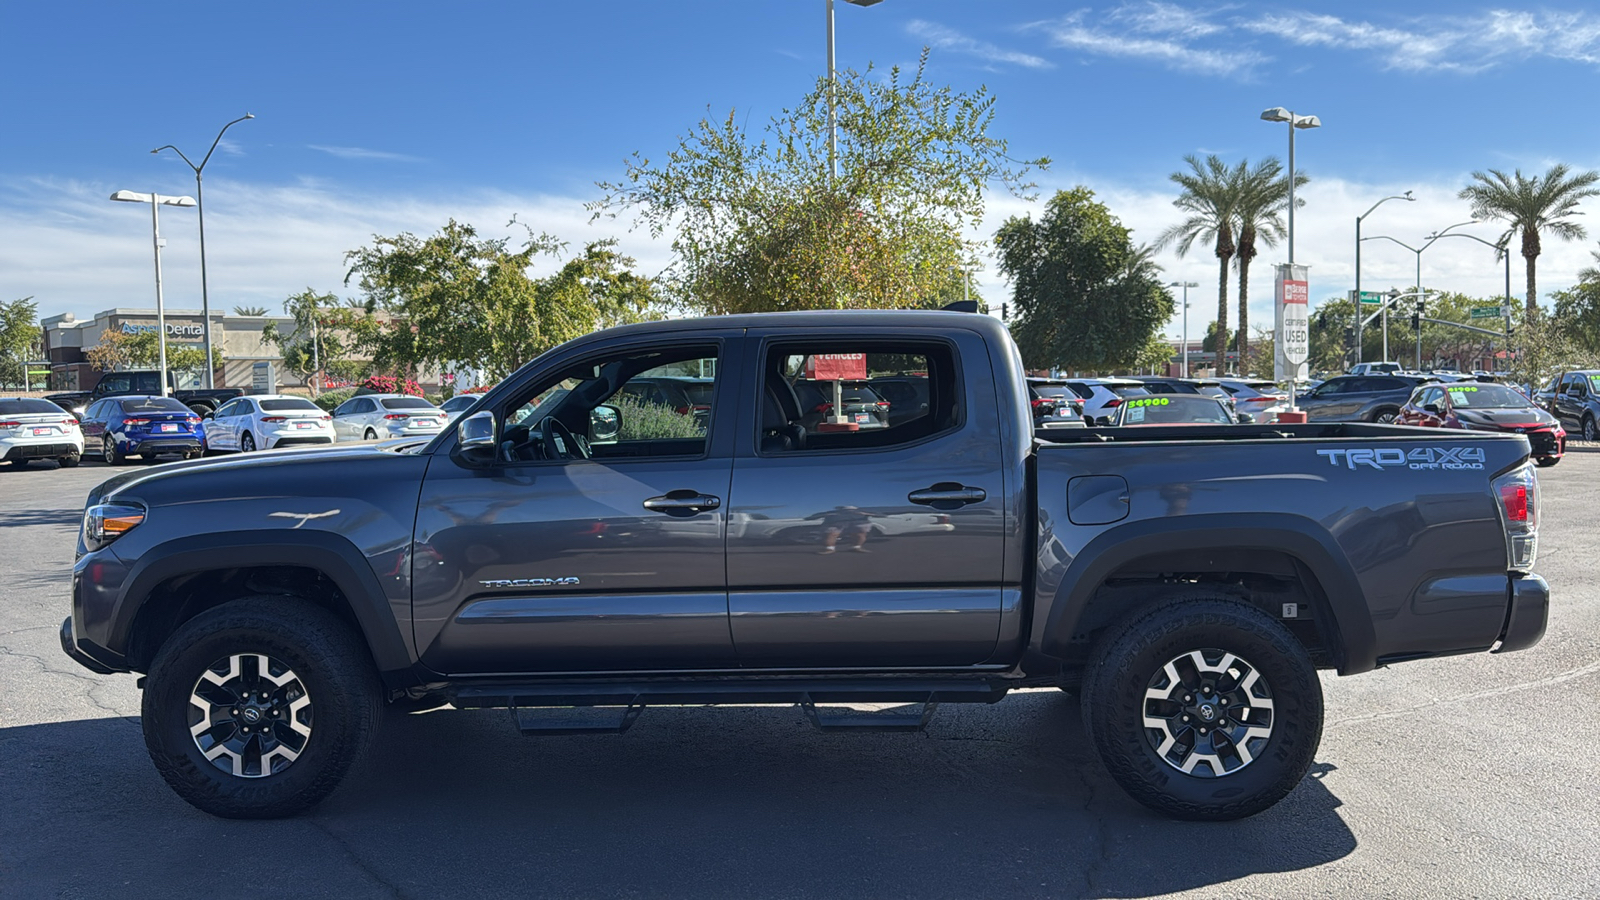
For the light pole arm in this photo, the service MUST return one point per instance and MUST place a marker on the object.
(219, 140)
(180, 156)
(1385, 237)
(1405, 196)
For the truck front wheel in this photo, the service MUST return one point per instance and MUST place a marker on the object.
(1205, 708)
(257, 708)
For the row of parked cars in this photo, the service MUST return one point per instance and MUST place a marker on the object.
(149, 427)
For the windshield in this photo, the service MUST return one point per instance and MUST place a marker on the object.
(404, 403)
(1174, 410)
(1059, 391)
(290, 404)
(460, 401)
(1487, 396)
(26, 406)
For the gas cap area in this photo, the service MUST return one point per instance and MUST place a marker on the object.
(1097, 499)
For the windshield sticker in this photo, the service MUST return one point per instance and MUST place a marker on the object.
(1461, 387)
(1133, 416)
(1421, 458)
(1148, 401)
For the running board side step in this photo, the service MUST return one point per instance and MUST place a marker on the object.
(612, 707)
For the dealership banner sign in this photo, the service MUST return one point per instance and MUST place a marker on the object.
(1292, 336)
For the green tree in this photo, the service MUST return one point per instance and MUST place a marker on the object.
(1075, 304)
(1208, 200)
(760, 224)
(1529, 206)
(1330, 349)
(456, 298)
(144, 352)
(323, 334)
(20, 339)
(1541, 347)
(1154, 356)
(1261, 197)
(1577, 313)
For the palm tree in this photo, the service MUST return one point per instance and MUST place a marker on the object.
(1531, 205)
(249, 310)
(1263, 195)
(1141, 263)
(1591, 273)
(1209, 194)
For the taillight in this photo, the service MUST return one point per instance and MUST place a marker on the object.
(192, 420)
(1038, 402)
(1114, 402)
(326, 418)
(883, 404)
(1518, 493)
(10, 424)
(396, 416)
(823, 408)
(682, 410)
(273, 419)
(135, 421)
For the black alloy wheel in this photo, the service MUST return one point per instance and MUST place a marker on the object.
(108, 449)
(1590, 432)
(1203, 707)
(247, 443)
(370, 435)
(1385, 416)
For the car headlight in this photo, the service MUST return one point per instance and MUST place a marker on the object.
(105, 522)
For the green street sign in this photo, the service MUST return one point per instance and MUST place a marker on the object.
(1488, 312)
(1372, 297)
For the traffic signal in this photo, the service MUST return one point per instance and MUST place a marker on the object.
(1416, 317)
(1005, 311)
(1349, 337)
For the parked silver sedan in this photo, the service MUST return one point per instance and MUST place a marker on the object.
(373, 417)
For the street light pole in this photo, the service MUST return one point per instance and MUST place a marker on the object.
(1185, 285)
(1279, 114)
(1405, 196)
(157, 201)
(833, 124)
(199, 193)
(1418, 251)
(1501, 249)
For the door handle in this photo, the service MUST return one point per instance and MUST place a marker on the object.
(947, 495)
(682, 503)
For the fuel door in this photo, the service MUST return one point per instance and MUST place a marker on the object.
(1097, 499)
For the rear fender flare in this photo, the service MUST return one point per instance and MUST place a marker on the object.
(1302, 539)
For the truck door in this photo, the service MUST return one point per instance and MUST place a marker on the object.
(863, 540)
(546, 561)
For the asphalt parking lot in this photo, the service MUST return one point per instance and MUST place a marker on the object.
(1473, 776)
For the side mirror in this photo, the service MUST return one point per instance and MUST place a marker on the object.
(1245, 419)
(605, 424)
(1432, 408)
(1103, 421)
(475, 438)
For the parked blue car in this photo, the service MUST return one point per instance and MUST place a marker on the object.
(116, 428)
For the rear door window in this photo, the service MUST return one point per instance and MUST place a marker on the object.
(818, 395)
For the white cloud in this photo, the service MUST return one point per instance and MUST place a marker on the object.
(1445, 43)
(363, 153)
(942, 38)
(75, 251)
(1151, 32)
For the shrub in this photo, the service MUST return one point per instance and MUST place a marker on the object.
(330, 400)
(483, 389)
(389, 384)
(654, 421)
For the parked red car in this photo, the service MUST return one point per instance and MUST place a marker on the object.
(1477, 406)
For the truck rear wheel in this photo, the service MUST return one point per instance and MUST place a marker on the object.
(1204, 709)
(257, 708)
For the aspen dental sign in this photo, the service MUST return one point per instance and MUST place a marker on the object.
(174, 330)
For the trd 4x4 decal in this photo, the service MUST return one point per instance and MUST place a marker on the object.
(1452, 458)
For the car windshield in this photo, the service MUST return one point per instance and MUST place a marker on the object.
(28, 406)
(1174, 410)
(1059, 391)
(407, 403)
(460, 401)
(293, 403)
(1487, 396)
(1594, 382)
(153, 404)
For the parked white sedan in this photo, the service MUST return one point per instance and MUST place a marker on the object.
(382, 416)
(38, 429)
(266, 422)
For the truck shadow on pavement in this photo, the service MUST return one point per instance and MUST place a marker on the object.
(747, 802)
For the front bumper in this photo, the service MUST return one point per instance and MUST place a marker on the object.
(69, 646)
(1526, 614)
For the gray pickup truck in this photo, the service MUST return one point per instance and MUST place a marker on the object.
(1187, 583)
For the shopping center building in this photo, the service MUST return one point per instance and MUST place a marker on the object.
(238, 338)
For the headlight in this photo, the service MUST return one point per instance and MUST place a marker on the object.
(105, 522)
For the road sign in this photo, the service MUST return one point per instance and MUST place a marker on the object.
(1488, 312)
(1372, 297)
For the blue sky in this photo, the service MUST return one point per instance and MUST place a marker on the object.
(378, 118)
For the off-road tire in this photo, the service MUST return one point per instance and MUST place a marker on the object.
(329, 659)
(1134, 650)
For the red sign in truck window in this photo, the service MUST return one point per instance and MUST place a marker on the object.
(837, 366)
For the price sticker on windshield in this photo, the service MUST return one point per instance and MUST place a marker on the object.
(1147, 401)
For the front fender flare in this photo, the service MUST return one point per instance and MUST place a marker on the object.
(332, 554)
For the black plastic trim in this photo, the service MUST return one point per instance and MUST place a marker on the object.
(69, 645)
(328, 553)
(1527, 614)
(1355, 640)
